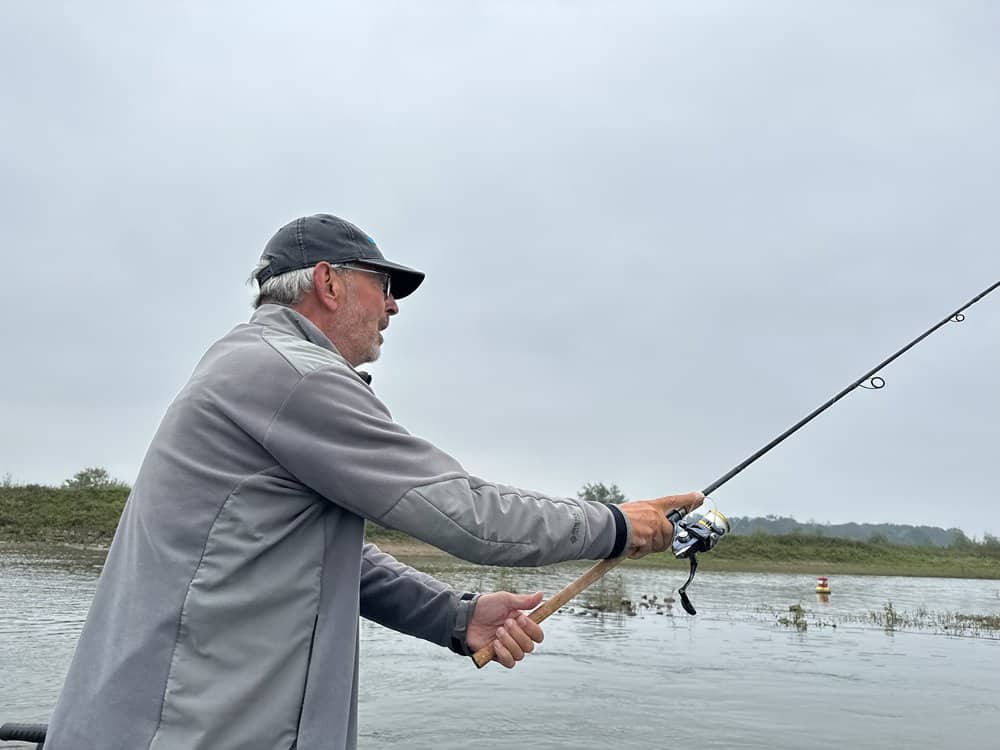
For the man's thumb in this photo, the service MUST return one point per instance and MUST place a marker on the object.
(526, 601)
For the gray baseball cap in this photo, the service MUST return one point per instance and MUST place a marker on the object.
(306, 241)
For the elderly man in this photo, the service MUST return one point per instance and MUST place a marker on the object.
(227, 613)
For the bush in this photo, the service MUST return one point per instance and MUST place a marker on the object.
(93, 477)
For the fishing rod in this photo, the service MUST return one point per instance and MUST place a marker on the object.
(701, 532)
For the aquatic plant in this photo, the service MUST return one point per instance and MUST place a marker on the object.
(496, 579)
(608, 595)
(797, 619)
(950, 623)
(889, 618)
(979, 622)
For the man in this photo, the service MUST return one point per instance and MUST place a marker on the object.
(227, 612)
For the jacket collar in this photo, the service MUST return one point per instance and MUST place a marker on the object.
(286, 320)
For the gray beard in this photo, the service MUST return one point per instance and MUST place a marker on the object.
(373, 353)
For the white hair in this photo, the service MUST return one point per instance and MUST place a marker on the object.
(287, 289)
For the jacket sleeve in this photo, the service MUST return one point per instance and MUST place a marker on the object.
(404, 599)
(337, 438)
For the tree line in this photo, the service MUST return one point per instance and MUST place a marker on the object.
(884, 533)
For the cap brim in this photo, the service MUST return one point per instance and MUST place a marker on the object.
(404, 280)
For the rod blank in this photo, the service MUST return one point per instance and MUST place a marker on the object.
(548, 607)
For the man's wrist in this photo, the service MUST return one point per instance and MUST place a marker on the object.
(622, 531)
(463, 616)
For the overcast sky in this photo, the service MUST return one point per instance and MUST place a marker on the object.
(656, 234)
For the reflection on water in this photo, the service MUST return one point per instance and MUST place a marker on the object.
(728, 678)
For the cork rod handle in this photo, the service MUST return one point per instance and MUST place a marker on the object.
(484, 655)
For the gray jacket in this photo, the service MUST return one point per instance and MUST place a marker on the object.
(227, 613)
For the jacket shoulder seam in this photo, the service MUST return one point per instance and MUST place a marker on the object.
(267, 334)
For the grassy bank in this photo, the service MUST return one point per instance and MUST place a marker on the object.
(35, 514)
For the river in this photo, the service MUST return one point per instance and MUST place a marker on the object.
(732, 677)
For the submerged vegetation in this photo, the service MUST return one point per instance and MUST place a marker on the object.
(796, 618)
(955, 623)
(893, 620)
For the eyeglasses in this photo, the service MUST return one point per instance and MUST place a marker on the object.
(386, 279)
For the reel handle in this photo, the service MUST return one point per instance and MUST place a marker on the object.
(485, 655)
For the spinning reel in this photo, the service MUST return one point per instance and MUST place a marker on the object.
(693, 533)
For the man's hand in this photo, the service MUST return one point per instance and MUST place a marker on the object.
(651, 531)
(498, 619)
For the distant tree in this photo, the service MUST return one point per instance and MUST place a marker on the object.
(93, 477)
(8, 481)
(959, 540)
(601, 493)
(916, 536)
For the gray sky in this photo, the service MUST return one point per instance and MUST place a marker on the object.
(656, 234)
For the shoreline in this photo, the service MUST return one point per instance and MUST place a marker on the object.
(411, 551)
(80, 522)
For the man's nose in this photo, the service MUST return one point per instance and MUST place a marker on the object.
(390, 305)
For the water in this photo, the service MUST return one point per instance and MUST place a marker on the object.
(729, 678)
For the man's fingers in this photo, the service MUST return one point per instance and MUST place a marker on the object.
(689, 500)
(651, 531)
(523, 639)
(502, 655)
(532, 628)
(508, 640)
(693, 500)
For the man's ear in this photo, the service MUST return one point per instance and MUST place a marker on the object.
(328, 285)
